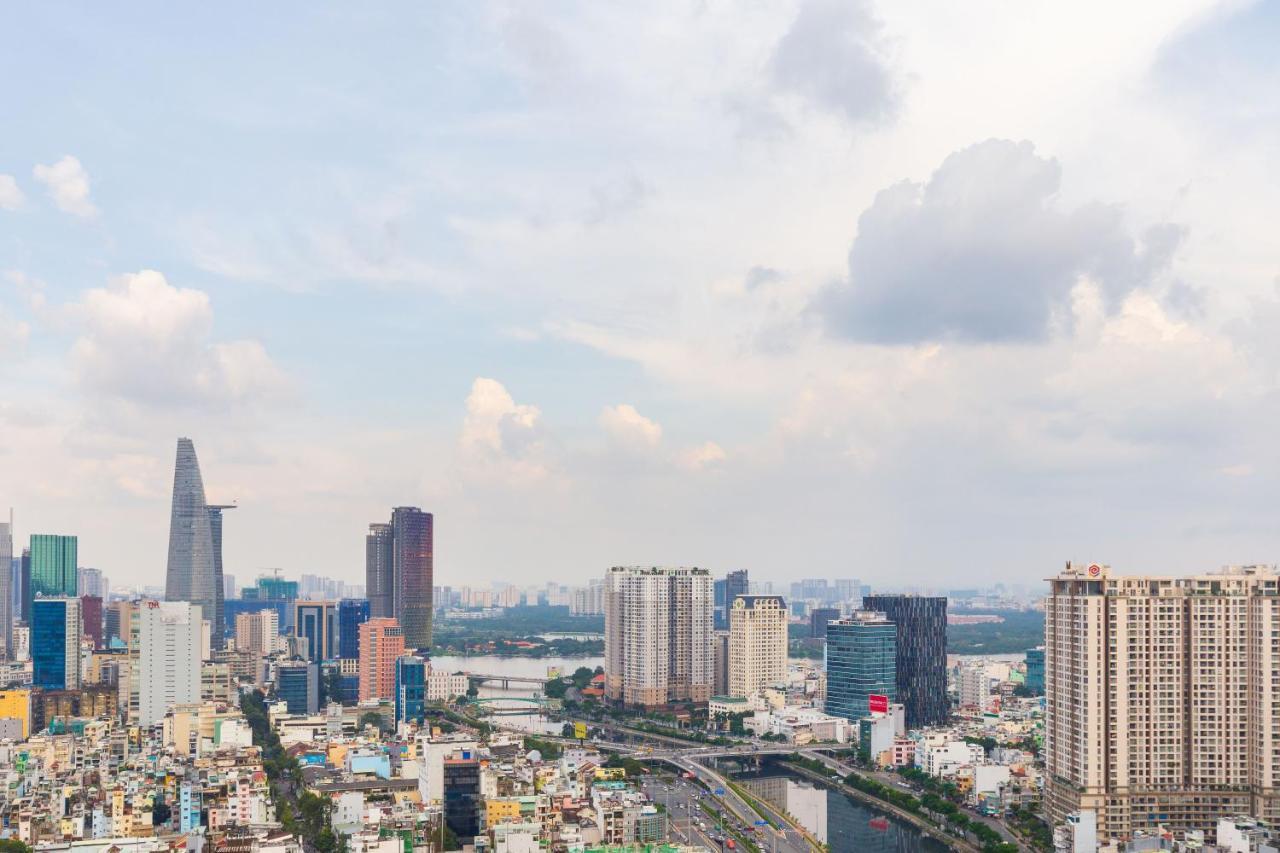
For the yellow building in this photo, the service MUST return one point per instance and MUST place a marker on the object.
(501, 811)
(16, 704)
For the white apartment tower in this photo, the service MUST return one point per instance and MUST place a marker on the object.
(168, 657)
(757, 644)
(657, 635)
(1162, 698)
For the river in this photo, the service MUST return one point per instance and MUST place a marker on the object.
(846, 825)
(500, 665)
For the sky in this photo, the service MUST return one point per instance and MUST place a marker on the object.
(926, 294)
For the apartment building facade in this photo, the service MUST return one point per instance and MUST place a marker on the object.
(658, 635)
(757, 643)
(1162, 697)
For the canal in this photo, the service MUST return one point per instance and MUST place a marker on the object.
(846, 825)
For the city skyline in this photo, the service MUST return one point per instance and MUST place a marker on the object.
(661, 308)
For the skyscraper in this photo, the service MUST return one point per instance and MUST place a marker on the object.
(757, 643)
(6, 588)
(168, 657)
(191, 574)
(412, 537)
(381, 643)
(316, 624)
(91, 619)
(818, 619)
(861, 663)
(1161, 704)
(55, 643)
(351, 613)
(298, 684)
(922, 654)
(53, 566)
(217, 619)
(92, 582)
(379, 577)
(658, 635)
(734, 584)
(411, 688)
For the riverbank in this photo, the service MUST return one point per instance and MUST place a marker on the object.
(918, 821)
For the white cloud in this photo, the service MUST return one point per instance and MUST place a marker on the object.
(835, 57)
(628, 427)
(705, 455)
(146, 341)
(11, 196)
(500, 438)
(68, 186)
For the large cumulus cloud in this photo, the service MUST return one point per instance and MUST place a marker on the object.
(982, 252)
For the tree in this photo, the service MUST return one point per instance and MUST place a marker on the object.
(372, 718)
(13, 845)
(582, 677)
(160, 813)
(555, 689)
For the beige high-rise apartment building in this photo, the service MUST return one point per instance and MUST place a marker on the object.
(256, 633)
(658, 635)
(757, 643)
(1162, 697)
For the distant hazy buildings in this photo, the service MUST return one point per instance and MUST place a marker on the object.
(169, 640)
(92, 582)
(861, 663)
(194, 571)
(381, 644)
(399, 570)
(757, 643)
(658, 635)
(55, 643)
(922, 654)
(1161, 698)
(728, 588)
(818, 619)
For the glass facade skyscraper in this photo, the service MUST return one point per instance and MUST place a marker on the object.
(399, 569)
(6, 587)
(316, 624)
(379, 577)
(55, 643)
(53, 566)
(298, 684)
(1035, 670)
(351, 612)
(191, 570)
(922, 654)
(725, 591)
(861, 655)
(411, 688)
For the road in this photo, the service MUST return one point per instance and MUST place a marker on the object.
(689, 823)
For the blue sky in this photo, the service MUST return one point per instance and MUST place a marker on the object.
(805, 288)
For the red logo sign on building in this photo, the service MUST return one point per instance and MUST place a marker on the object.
(1094, 570)
(879, 703)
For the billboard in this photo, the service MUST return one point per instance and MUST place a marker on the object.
(580, 731)
(879, 703)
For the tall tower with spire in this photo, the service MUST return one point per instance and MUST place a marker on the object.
(192, 573)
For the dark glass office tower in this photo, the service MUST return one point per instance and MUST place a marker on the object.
(351, 612)
(922, 654)
(190, 574)
(379, 576)
(220, 589)
(412, 544)
(55, 643)
(725, 591)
